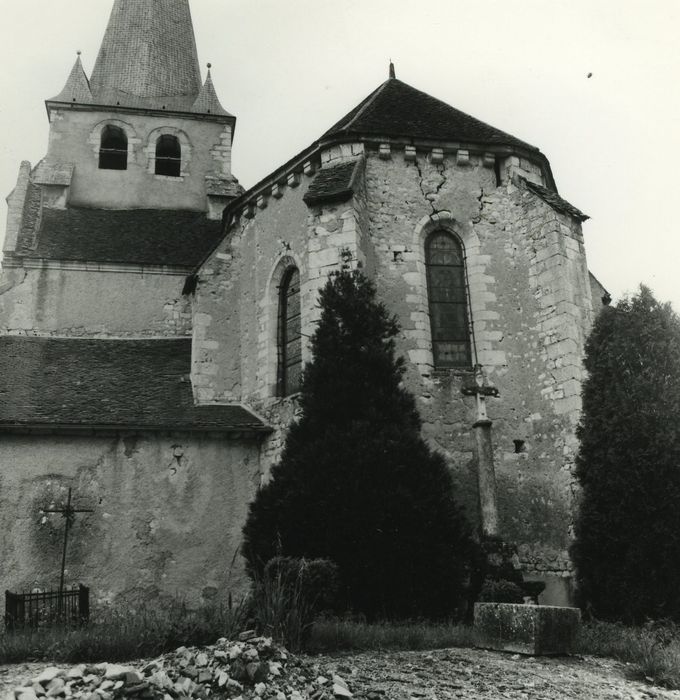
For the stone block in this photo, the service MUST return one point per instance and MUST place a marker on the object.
(463, 157)
(526, 629)
(437, 155)
(409, 153)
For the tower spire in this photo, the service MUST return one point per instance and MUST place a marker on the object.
(148, 56)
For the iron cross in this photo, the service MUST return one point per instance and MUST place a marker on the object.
(68, 513)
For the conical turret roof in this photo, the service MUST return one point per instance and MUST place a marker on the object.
(148, 57)
(207, 101)
(77, 88)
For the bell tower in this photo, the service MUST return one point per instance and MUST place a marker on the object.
(142, 132)
(129, 197)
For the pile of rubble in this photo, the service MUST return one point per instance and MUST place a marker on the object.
(253, 667)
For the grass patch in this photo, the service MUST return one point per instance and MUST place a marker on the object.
(347, 635)
(653, 650)
(124, 635)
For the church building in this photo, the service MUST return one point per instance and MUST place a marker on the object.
(155, 317)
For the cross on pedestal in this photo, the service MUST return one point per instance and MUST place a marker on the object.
(68, 513)
(481, 390)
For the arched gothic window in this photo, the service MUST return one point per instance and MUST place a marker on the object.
(168, 155)
(447, 295)
(289, 340)
(113, 148)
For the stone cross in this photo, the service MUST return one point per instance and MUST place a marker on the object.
(486, 475)
(68, 513)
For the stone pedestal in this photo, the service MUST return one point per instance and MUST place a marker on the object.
(526, 629)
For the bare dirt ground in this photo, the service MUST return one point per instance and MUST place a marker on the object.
(472, 674)
(445, 674)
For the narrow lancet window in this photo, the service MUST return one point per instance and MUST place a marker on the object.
(113, 149)
(168, 156)
(289, 334)
(447, 295)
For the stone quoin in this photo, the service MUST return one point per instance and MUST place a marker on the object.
(155, 317)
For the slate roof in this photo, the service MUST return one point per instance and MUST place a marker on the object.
(551, 198)
(74, 383)
(333, 183)
(148, 50)
(77, 88)
(132, 236)
(396, 109)
(207, 101)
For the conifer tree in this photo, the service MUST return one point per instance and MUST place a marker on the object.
(356, 483)
(627, 549)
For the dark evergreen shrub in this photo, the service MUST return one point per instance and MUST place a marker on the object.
(627, 548)
(501, 591)
(356, 483)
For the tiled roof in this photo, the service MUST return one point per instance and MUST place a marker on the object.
(149, 50)
(551, 198)
(71, 383)
(132, 236)
(396, 109)
(333, 183)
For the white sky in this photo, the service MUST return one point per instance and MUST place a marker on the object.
(289, 70)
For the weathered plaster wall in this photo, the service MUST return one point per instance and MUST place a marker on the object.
(53, 301)
(75, 138)
(168, 512)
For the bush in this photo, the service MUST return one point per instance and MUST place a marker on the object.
(356, 483)
(501, 591)
(627, 548)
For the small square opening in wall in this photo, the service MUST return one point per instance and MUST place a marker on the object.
(398, 256)
(520, 446)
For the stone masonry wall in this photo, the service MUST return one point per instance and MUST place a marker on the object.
(530, 306)
(170, 507)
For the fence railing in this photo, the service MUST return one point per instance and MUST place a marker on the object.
(71, 606)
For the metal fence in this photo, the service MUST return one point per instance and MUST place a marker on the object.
(47, 608)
